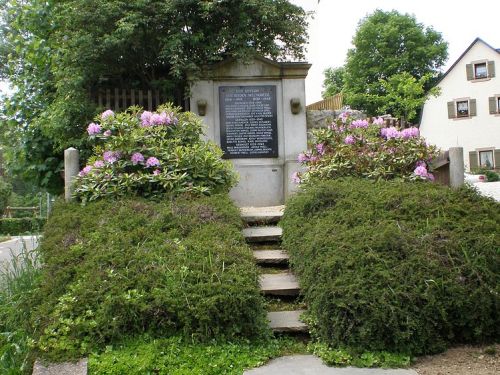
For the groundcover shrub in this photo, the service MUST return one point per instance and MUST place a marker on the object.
(146, 154)
(407, 267)
(117, 268)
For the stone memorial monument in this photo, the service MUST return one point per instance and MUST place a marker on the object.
(256, 113)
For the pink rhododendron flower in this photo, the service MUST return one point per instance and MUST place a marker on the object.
(420, 171)
(156, 172)
(389, 133)
(359, 124)
(107, 113)
(349, 140)
(320, 147)
(111, 156)
(302, 158)
(99, 164)
(146, 119)
(410, 132)
(296, 177)
(85, 171)
(107, 133)
(420, 163)
(137, 158)
(152, 162)
(94, 129)
(378, 121)
(344, 116)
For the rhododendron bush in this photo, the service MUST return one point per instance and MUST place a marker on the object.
(362, 148)
(144, 153)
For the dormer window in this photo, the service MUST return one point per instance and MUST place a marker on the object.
(480, 71)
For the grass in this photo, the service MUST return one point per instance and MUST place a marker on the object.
(175, 356)
(18, 286)
(285, 304)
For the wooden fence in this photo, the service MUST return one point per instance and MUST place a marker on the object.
(441, 166)
(120, 99)
(333, 103)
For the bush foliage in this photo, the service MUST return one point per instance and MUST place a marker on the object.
(114, 269)
(22, 225)
(147, 154)
(407, 267)
(362, 148)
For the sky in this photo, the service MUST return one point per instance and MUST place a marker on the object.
(335, 23)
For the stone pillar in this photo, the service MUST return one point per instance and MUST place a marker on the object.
(71, 169)
(456, 155)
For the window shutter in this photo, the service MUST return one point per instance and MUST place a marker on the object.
(470, 73)
(491, 69)
(473, 164)
(472, 107)
(497, 158)
(493, 104)
(451, 110)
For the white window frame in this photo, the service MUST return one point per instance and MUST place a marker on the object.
(478, 62)
(485, 149)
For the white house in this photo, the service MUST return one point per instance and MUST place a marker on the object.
(466, 113)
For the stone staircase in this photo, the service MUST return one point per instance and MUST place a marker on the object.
(277, 282)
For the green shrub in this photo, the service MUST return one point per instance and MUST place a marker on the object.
(114, 269)
(492, 176)
(408, 267)
(360, 148)
(22, 225)
(147, 154)
(5, 192)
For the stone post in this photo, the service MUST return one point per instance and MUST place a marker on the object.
(456, 155)
(71, 169)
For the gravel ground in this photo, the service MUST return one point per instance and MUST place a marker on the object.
(463, 360)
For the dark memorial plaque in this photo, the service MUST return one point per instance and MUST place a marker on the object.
(248, 121)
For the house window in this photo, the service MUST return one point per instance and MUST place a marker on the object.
(463, 108)
(480, 70)
(498, 104)
(486, 159)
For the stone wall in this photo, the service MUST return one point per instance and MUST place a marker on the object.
(323, 118)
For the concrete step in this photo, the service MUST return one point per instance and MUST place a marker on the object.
(279, 284)
(263, 234)
(271, 257)
(266, 215)
(287, 321)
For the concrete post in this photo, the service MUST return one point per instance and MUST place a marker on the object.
(456, 155)
(71, 169)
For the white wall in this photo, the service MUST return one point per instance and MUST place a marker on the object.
(481, 131)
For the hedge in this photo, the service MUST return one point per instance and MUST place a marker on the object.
(115, 269)
(15, 226)
(399, 266)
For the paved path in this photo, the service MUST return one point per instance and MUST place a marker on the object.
(311, 365)
(490, 189)
(15, 245)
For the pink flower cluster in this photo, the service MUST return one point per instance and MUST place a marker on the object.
(422, 172)
(296, 178)
(137, 158)
(85, 171)
(307, 157)
(392, 132)
(378, 121)
(107, 114)
(152, 162)
(111, 156)
(149, 119)
(359, 124)
(349, 140)
(94, 129)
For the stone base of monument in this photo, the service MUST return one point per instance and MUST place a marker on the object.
(66, 368)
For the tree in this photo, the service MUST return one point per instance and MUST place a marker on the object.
(69, 47)
(404, 95)
(333, 82)
(385, 44)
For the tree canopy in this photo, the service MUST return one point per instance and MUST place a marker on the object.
(53, 52)
(388, 44)
(333, 82)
